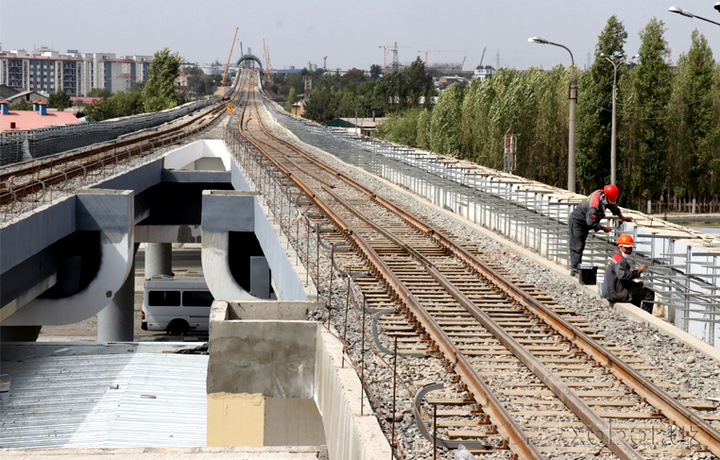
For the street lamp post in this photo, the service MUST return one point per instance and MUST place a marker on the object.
(613, 152)
(613, 135)
(572, 110)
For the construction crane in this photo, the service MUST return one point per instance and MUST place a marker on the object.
(267, 63)
(392, 47)
(436, 51)
(224, 82)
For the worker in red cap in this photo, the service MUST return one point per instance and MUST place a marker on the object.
(587, 216)
(621, 283)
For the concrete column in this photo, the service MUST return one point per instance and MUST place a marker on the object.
(116, 320)
(158, 259)
(259, 277)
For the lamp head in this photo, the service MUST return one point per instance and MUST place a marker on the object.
(717, 7)
(538, 40)
(674, 9)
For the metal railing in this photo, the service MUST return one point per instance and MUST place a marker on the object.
(16, 146)
(684, 264)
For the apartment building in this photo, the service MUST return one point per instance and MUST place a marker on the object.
(45, 70)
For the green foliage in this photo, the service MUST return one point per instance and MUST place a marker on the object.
(692, 131)
(401, 129)
(668, 121)
(594, 117)
(653, 86)
(158, 93)
(121, 104)
(292, 98)
(446, 123)
(406, 88)
(22, 105)
(201, 84)
(59, 100)
(321, 105)
(100, 92)
(422, 140)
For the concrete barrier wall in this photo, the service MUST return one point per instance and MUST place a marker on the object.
(349, 435)
(275, 382)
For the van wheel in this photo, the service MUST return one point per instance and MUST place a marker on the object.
(178, 327)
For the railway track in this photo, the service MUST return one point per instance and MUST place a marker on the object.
(521, 374)
(33, 181)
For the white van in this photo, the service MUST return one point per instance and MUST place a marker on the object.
(176, 304)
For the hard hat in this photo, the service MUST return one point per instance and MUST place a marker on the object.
(611, 192)
(625, 240)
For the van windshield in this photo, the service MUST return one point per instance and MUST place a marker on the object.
(197, 298)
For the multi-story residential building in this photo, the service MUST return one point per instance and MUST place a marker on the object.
(42, 70)
(105, 70)
(45, 70)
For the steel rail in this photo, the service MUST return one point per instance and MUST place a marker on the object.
(691, 423)
(484, 396)
(678, 414)
(595, 423)
(61, 159)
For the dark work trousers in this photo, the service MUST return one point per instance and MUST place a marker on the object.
(638, 294)
(578, 235)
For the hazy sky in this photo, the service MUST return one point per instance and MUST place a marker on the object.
(348, 33)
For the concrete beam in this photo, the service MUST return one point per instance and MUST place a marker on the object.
(111, 213)
(217, 223)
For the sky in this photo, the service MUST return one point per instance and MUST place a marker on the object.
(344, 34)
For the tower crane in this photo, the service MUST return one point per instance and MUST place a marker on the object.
(223, 82)
(436, 51)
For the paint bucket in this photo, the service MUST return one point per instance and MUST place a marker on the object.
(4, 387)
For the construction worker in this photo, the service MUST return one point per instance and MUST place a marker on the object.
(621, 282)
(587, 216)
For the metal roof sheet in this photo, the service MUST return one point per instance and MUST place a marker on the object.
(105, 400)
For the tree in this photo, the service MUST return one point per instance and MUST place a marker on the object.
(652, 88)
(691, 127)
(321, 105)
(400, 128)
(59, 100)
(595, 107)
(446, 123)
(290, 100)
(419, 84)
(375, 71)
(422, 139)
(121, 104)
(100, 92)
(158, 92)
(349, 104)
(355, 75)
(405, 88)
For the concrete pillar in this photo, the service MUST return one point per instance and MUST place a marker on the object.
(259, 277)
(116, 321)
(158, 259)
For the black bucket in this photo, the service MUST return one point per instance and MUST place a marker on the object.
(587, 274)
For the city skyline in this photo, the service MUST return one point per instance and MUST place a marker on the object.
(341, 35)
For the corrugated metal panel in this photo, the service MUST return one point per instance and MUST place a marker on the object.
(105, 400)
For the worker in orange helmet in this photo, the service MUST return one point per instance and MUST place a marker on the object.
(587, 216)
(621, 283)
